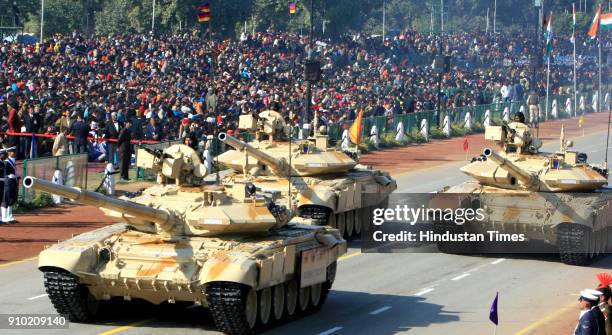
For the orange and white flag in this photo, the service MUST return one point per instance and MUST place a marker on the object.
(356, 129)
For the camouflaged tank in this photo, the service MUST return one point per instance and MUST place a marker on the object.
(557, 198)
(235, 252)
(326, 184)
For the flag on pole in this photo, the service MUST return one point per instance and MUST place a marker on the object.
(493, 311)
(606, 21)
(581, 122)
(466, 144)
(595, 25)
(549, 36)
(292, 8)
(356, 129)
(204, 13)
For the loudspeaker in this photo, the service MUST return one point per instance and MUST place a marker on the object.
(312, 70)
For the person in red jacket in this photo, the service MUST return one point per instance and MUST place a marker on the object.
(14, 123)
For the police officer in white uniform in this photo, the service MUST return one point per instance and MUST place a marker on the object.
(9, 198)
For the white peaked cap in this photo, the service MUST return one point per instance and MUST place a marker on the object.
(596, 293)
(586, 294)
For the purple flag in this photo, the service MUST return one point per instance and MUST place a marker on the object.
(493, 312)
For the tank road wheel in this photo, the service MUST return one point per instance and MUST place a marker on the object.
(341, 221)
(265, 305)
(304, 298)
(350, 223)
(291, 297)
(69, 297)
(233, 307)
(573, 243)
(278, 301)
(315, 295)
(357, 222)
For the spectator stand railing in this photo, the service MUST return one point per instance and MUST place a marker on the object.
(73, 168)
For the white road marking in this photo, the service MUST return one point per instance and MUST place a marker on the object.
(497, 261)
(459, 277)
(380, 310)
(424, 291)
(38, 296)
(331, 331)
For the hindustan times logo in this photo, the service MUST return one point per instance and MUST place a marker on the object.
(410, 215)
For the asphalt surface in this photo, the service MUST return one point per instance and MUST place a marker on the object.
(428, 293)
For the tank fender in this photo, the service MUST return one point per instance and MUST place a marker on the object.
(80, 253)
(73, 259)
(325, 199)
(223, 267)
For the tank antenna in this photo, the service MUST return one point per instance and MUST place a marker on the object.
(289, 174)
(608, 137)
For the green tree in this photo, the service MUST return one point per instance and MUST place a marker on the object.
(61, 16)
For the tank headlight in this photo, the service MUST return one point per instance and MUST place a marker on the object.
(105, 255)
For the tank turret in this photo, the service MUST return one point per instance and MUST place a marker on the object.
(162, 218)
(278, 165)
(272, 158)
(527, 179)
(178, 162)
(521, 166)
(205, 210)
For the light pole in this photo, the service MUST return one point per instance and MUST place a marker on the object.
(494, 16)
(153, 19)
(441, 16)
(42, 19)
(384, 20)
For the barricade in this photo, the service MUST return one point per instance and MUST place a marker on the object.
(498, 112)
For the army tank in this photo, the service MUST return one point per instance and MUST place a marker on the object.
(558, 198)
(236, 252)
(326, 183)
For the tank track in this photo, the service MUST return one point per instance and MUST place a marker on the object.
(68, 296)
(226, 302)
(327, 285)
(571, 243)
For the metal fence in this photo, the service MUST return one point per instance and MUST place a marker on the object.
(412, 121)
(73, 168)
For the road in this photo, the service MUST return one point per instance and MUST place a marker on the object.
(422, 294)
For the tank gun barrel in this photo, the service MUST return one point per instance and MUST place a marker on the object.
(528, 179)
(279, 166)
(161, 217)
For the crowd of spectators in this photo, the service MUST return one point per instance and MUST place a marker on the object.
(185, 86)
